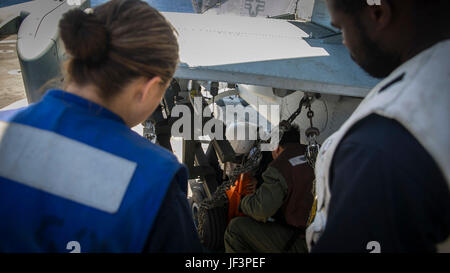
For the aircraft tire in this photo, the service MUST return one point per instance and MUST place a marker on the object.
(215, 222)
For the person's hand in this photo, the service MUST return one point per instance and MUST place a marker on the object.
(251, 186)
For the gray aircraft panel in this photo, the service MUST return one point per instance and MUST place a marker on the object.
(266, 52)
(254, 51)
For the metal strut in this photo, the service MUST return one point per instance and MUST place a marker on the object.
(294, 115)
(312, 150)
(312, 132)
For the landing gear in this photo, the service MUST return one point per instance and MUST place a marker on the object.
(157, 126)
(215, 219)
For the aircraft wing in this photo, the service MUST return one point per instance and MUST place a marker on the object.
(266, 52)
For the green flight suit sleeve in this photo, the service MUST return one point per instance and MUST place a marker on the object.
(268, 198)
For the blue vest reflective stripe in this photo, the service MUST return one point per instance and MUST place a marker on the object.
(33, 220)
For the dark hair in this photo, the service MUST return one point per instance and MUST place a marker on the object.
(290, 136)
(430, 6)
(350, 6)
(118, 42)
(431, 18)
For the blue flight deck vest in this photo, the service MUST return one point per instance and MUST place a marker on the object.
(72, 171)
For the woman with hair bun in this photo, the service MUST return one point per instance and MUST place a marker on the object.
(73, 175)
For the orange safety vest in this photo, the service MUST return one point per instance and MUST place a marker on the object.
(236, 193)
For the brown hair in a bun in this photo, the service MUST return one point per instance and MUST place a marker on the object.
(120, 41)
(85, 37)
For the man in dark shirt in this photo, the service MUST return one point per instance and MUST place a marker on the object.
(397, 197)
(385, 187)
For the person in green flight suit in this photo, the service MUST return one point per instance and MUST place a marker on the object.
(279, 209)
